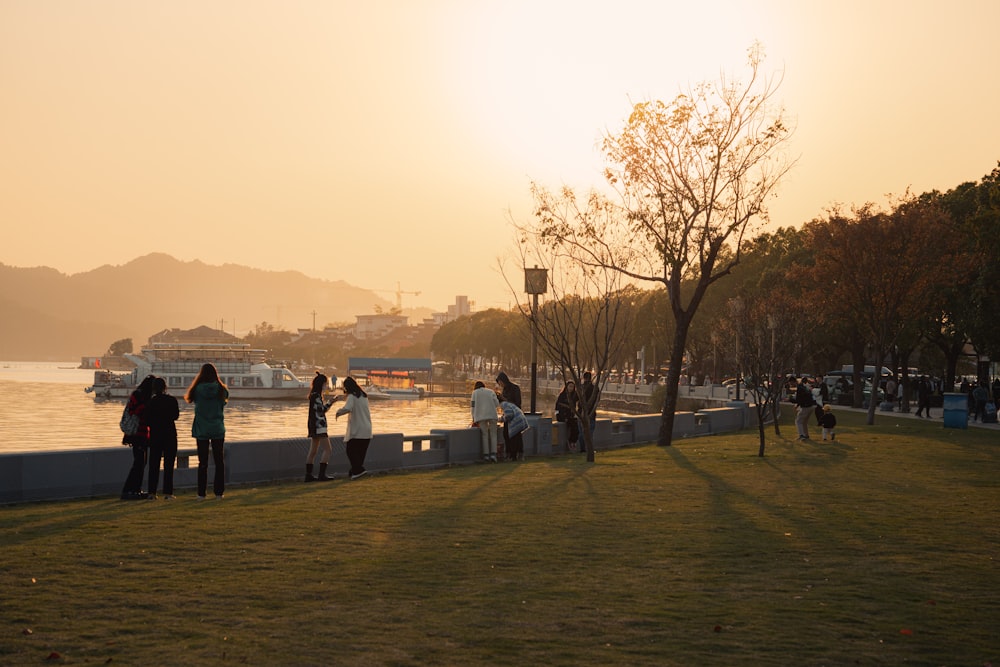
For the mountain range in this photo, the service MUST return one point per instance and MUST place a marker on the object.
(46, 315)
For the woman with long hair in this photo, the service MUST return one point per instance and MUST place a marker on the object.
(359, 426)
(318, 429)
(139, 441)
(209, 394)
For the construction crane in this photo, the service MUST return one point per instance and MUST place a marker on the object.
(399, 294)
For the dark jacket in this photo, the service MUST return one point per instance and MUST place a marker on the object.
(804, 396)
(566, 406)
(510, 392)
(161, 415)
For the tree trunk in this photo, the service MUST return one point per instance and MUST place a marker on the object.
(673, 376)
(760, 431)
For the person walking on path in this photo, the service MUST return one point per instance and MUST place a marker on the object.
(484, 415)
(511, 393)
(161, 415)
(803, 403)
(923, 398)
(318, 435)
(567, 403)
(979, 397)
(209, 395)
(359, 426)
(138, 400)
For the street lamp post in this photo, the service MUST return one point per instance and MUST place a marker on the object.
(535, 282)
(736, 310)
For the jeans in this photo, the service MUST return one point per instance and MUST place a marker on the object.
(802, 421)
(218, 458)
(133, 482)
(167, 452)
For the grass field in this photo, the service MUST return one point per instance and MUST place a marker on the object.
(877, 549)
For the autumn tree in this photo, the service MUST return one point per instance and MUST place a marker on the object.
(689, 177)
(885, 261)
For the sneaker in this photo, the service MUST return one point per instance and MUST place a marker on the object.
(219, 496)
(170, 497)
(133, 496)
(359, 475)
(151, 496)
(200, 498)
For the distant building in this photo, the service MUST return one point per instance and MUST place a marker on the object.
(378, 325)
(461, 307)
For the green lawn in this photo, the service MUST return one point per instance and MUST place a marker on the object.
(877, 549)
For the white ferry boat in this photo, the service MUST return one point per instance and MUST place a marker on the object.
(241, 367)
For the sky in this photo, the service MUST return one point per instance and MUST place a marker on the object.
(390, 143)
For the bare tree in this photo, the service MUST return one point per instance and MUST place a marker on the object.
(765, 326)
(585, 322)
(691, 175)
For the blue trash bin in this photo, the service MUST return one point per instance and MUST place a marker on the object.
(956, 411)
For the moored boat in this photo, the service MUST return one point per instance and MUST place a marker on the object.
(241, 367)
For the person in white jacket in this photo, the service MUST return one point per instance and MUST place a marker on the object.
(359, 426)
(484, 415)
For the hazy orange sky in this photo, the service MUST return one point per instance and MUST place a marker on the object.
(382, 142)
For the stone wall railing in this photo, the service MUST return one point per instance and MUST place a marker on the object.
(38, 476)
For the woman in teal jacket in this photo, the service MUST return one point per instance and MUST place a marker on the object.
(209, 395)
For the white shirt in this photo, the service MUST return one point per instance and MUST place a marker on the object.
(484, 404)
(359, 418)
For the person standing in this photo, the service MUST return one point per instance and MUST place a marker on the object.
(567, 403)
(359, 426)
(209, 395)
(828, 422)
(590, 396)
(803, 402)
(923, 397)
(138, 400)
(161, 415)
(513, 442)
(979, 397)
(484, 415)
(318, 435)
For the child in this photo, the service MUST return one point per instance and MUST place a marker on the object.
(828, 422)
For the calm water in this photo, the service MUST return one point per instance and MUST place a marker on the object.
(43, 407)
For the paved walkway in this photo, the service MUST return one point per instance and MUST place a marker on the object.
(937, 412)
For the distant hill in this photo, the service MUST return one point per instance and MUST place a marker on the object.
(47, 315)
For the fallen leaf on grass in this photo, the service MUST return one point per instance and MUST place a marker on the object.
(906, 632)
(26, 631)
(53, 656)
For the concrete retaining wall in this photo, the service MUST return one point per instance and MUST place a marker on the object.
(37, 476)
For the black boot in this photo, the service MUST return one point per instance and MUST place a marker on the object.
(309, 473)
(322, 473)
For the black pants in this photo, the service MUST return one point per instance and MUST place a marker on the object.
(572, 430)
(218, 458)
(513, 445)
(168, 453)
(133, 482)
(356, 450)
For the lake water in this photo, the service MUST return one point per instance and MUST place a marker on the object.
(43, 407)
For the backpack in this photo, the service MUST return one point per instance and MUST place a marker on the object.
(129, 423)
